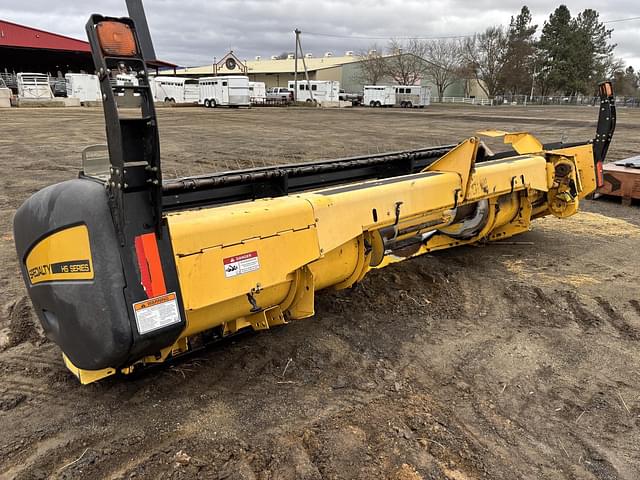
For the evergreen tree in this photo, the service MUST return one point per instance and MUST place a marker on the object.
(554, 52)
(518, 69)
(574, 54)
(592, 52)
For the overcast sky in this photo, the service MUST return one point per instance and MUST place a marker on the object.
(190, 32)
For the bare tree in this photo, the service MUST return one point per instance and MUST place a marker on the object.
(444, 58)
(406, 65)
(611, 66)
(467, 74)
(372, 65)
(485, 53)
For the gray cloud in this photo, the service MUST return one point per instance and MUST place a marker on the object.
(190, 32)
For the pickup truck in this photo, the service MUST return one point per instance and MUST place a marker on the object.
(354, 98)
(280, 94)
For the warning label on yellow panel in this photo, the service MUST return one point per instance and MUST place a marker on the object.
(156, 313)
(239, 264)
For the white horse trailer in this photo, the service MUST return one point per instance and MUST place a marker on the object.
(322, 90)
(412, 96)
(83, 86)
(227, 91)
(175, 89)
(34, 86)
(257, 92)
(379, 96)
(124, 80)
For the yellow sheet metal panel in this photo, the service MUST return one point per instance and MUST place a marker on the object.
(195, 230)
(344, 212)
(336, 265)
(220, 273)
(87, 376)
(216, 314)
(460, 160)
(502, 176)
(63, 255)
(522, 142)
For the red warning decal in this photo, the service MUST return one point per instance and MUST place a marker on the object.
(239, 264)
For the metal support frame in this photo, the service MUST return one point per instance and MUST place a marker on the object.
(135, 182)
(604, 130)
(134, 186)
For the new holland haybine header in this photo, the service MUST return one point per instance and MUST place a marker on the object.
(126, 269)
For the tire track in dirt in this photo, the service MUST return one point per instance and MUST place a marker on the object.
(581, 314)
(617, 320)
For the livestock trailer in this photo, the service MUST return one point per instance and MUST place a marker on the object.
(226, 91)
(34, 86)
(317, 91)
(125, 79)
(412, 96)
(175, 89)
(83, 86)
(257, 92)
(379, 96)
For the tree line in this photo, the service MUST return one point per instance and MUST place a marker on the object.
(569, 56)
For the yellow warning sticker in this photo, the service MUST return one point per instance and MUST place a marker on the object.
(156, 313)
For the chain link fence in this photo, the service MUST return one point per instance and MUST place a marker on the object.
(463, 100)
(621, 101)
(537, 100)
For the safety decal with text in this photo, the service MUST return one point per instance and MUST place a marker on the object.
(239, 264)
(156, 313)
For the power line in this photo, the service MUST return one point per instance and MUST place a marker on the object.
(387, 37)
(622, 20)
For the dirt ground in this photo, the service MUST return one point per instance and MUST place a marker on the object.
(493, 362)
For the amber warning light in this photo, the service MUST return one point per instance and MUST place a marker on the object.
(116, 39)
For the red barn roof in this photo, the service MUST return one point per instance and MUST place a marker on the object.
(14, 35)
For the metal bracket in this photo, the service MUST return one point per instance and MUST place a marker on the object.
(460, 160)
(604, 130)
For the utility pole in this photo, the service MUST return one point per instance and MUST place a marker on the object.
(533, 81)
(304, 64)
(295, 71)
